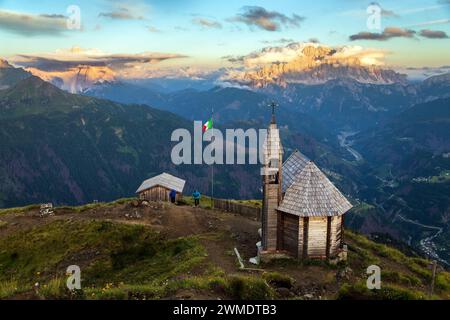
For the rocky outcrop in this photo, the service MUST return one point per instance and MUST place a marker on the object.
(4, 64)
(78, 78)
(315, 65)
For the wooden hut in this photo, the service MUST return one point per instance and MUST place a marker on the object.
(159, 187)
(302, 210)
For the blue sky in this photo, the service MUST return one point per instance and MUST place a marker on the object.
(205, 31)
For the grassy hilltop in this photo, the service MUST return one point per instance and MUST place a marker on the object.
(167, 251)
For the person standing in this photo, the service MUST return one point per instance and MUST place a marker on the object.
(196, 195)
(173, 195)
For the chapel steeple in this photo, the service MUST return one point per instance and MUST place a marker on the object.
(272, 175)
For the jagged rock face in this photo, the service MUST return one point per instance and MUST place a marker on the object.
(78, 78)
(4, 64)
(318, 65)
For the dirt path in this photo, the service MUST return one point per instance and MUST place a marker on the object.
(219, 232)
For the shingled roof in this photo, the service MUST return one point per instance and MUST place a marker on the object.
(272, 144)
(311, 193)
(292, 167)
(165, 180)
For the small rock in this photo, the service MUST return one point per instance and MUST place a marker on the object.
(308, 296)
(344, 274)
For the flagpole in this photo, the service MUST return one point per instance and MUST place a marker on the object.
(212, 166)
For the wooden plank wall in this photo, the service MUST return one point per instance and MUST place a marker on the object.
(290, 234)
(270, 217)
(317, 237)
(301, 223)
(335, 235)
(156, 193)
(238, 208)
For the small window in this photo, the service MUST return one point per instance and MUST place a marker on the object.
(273, 163)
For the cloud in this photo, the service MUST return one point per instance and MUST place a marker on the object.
(234, 59)
(359, 13)
(121, 13)
(153, 29)
(388, 33)
(431, 22)
(207, 23)
(281, 41)
(126, 10)
(388, 13)
(254, 16)
(32, 25)
(385, 12)
(420, 73)
(433, 34)
(127, 65)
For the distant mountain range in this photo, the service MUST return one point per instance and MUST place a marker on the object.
(312, 64)
(76, 79)
(387, 146)
(339, 103)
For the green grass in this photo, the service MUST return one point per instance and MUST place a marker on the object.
(106, 252)
(359, 291)
(9, 288)
(378, 249)
(81, 208)
(249, 288)
(410, 272)
(400, 278)
(19, 209)
(123, 261)
(205, 201)
(53, 289)
(278, 280)
(234, 286)
(97, 205)
(252, 203)
(362, 207)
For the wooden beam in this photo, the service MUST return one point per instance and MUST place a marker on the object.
(280, 235)
(305, 236)
(328, 247)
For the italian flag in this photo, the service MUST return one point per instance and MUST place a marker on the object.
(207, 125)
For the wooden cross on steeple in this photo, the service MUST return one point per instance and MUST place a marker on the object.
(273, 104)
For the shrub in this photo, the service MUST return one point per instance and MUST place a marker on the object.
(249, 288)
(8, 289)
(400, 278)
(443, 281)
(54, 289)
(278, 280)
